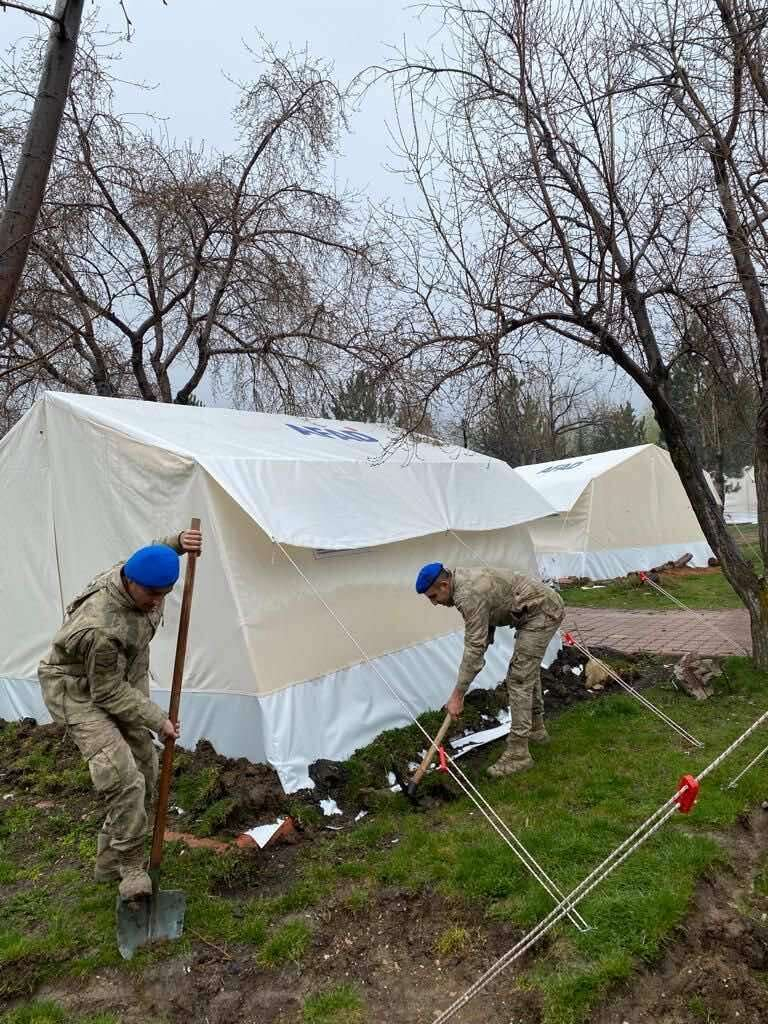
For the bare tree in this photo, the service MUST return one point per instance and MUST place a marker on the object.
(597, 171)
(156, 265)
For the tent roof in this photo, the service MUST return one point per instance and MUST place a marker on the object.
(562, 482)
(321, 483)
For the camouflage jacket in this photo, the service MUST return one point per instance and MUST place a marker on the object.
(488, 598)
(100, 655)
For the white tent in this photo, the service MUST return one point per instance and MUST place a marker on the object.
(618, 512)
(741, 498)
(271, 675)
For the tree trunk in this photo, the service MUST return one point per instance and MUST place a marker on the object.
(26, 194)
(750, 588)
(720, 476)
(761, 488)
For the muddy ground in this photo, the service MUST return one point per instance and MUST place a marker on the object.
(712, 972)
(403, 980)
(716, 969)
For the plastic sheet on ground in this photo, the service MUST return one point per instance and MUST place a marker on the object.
(261, 834)
(465, 744)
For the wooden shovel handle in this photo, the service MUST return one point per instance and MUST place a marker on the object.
(418, 775)
(164, 787)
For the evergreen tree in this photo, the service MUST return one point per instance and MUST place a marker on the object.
(617, 426)
(361, 398)
(718, 420)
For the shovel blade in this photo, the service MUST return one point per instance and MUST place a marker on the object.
(159, 918)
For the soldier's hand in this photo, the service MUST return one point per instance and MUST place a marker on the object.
(455, 704)
(169, 731)
(191, 541)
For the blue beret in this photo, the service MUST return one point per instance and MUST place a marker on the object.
(156, 566)
(427, 576)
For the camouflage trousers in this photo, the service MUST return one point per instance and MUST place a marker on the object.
(123, 764)
(526, 700)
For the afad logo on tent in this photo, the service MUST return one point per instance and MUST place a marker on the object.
(346, 434)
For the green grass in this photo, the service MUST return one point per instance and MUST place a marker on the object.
(453, 940)
(341, 1005)
(287, 945)
(709, 590)
(58, 922)
(609, 766)
(52, 1013)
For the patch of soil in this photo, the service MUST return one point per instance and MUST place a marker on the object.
(247, 794)
(563, 684)
(223, 796)
(32, 744)
(711, 973)
(387, 950)
(714, 969)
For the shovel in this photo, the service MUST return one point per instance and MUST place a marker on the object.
(161, 916)
(421, 771)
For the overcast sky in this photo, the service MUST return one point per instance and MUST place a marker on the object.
(188, 52)
(188, 49)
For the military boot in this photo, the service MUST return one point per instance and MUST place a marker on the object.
(539, 732)
(135, 883)
(107, 867)
(514, 759)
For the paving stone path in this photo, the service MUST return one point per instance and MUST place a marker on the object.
(675, 632)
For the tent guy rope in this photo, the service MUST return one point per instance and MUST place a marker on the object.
(464, 783)
(682, 800)
(739, 648)
(569, 639)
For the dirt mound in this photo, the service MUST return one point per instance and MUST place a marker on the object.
(40, 759)
(209, 794)
(213, 793)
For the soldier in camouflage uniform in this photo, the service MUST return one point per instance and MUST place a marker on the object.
(95, 681)
(487, 598)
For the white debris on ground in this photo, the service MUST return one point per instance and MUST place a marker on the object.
(465, 744)
(330, 807)
(261, 834)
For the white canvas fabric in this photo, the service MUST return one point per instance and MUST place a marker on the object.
(741, 498)
(270, 674)
(618, 512)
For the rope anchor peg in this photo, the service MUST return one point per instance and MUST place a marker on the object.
(687, 793)
(568, 639)
(443, 765)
